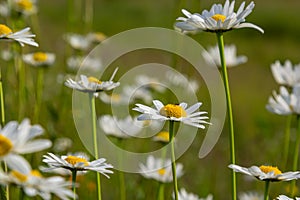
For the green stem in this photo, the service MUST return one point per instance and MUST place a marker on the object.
(94, 129)
(229, 110)
(266, 195)
(39, 94)
(74, 174)
(171, 127)
(296, 155)
(161, 191)
(2, 101)
(121, 174)
(22, 78)
(286, 141)
(88, 15)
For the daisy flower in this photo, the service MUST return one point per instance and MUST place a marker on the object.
(173, 112)
(149, 83)
(184, 195)
(77, 163)
(92, 84)
(23, 36)
(266, 173)
(62, 144)
(232, 60)
(285, 103)
(77, 41)
(87, 63)
(38, 59)
(286, 74)
(26, 7)
(218, 19)
(160, 170)
(180, 80)
(120, 128)
(283, 197)
(19, 139)
(96, 37)
(251, 196)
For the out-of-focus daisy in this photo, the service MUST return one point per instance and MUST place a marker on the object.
(92, 84)
(231, 57)
(96, 37)
(285, 103)
(38, 59)
(283, 197)
(184, 195)
(266, 173)
(173, 112)
(116, 99)
(159, 169)
(19, 139)
(286, 74)
(7, 54)
(162, 136)
(218, 19)
(250, 196)
(77, 41)
(62, 144)
(149, 82)
(120, 128)
(77, 163)
(182, 81)
(26, 7)
(23, 36)
(87, 63)
(4, 9)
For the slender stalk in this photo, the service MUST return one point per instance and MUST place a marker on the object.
(74, 174)
(39, 94)
(88, 15)
(229, 110)
(286, 140)
(266, 195)
(171, 127)
(22, 78)
(296, 155)
(121, 174)
(161, 191)
(2, 101)
(94, 129)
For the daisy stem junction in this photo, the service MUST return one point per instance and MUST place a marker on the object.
(286, 140)
(229, 109)
(94, 130)
(171, 132)
(266, 194)
(296, 154)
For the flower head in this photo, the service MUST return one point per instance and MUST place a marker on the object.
(23, 36)
(250, 196)
(77, 163)
(230, 56)
(218, 19)
(88, 63)
(173, 112)
(26, 7)
(78, 42)
(38, 59)
(286, 74)
(283, 197)
(184, 195)
(266, 173)
(92, 84)
(160, 170)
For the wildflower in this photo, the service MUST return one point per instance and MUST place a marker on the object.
(23, 36)
(38, 59)
(266, 173)
(159, 169)
(218, 19)
(251, 196)
(88, 63)
(173, 112)
(62, 144)
(286, 74)
(283, 197)
(96, 37)
(26, 7)
(77, 163)
(230, 56)
(183, 195)
(77, 41)
(180, 80)
(149, 83)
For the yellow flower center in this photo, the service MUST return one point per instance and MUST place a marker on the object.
(35, 173)
(73, 160)
(94, 80)
(25, 5)
(4, 30)
(267, 169)
(161, 172)
(99, 36)
(40, 56)
(171, 110)
(218, 17)
(163, 136)
(21, 177)
(5, 145)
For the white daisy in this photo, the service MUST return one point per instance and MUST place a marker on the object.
(120, 128)
(149, 83)
(173, 112)
(18, 139)
(250, 196)
(266, 173)
(87, 63)
(232, 60)
(218, 19)
(92, 84)
(286, 74)
(96, 37)
(182, 81)
(77, 163)
(4, 10)
(283, 197)
(26, 7)
(184, 195)
(23, 36)
(285, 103)
(62, 144)
(77, 41)
(160, 170)
(38, 59)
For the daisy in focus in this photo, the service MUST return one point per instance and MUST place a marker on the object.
(266, 173)
(92, 84)
(77, 163)
(218, 19)
(286, 74)
(173, 112)
(283, 197)
(160, 170)
(23, 36)
(38, 59)
(184, 195)
(232, 60)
